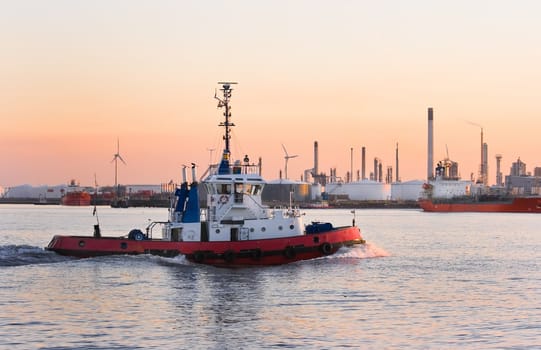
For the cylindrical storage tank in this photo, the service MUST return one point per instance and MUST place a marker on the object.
(407, 191)
(279, 191)
(367, 190)
(315, 192)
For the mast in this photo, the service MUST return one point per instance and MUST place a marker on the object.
(224, 102)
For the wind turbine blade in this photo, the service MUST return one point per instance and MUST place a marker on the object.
(119, 157)
(285, 151)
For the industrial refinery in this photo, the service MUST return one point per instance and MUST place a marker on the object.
(373, 185)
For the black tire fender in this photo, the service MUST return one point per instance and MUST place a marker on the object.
(290, 252)
(198, 257)
(256, 254)
(326, 248)
(229, 255)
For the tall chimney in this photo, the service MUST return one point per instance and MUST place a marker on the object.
(499, 176)
(315, 159)
(485, 164)
(375, 169)
(363, 161)
(351, 165)
(397, 178)
(430, 163)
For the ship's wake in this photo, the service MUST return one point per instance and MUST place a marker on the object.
(18, 255)
(177, 260)
(361, 251)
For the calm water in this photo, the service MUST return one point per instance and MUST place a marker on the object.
(424, 281)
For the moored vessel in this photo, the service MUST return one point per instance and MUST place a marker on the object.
(495, 205)
(447, 193)
(234, 229)
(75, 196)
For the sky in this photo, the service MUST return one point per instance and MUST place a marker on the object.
(76, 76)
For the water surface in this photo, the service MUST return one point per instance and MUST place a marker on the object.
(424, 281)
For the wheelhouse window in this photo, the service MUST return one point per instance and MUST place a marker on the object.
(239, 188)
(224, 188)
(256, 189)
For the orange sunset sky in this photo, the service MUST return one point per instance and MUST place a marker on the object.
(77, 75)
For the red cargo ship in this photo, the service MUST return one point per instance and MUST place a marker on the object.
(75, 196)
(510, 205)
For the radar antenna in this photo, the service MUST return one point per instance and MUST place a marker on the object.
(224, 102)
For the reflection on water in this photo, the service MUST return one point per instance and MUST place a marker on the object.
(423, 281)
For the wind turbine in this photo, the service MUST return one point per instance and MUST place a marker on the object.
(116, 157)
(287, 157)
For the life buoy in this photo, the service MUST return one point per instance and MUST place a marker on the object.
(290, 252)
(326, 248)
(229, 255)
(224, 199)
(198, 257)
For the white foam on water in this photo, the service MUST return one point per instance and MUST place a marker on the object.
(361, 251)
(177, 260)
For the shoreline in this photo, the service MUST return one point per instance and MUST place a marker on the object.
(342, 204)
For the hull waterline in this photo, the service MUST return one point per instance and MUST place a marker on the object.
(241, 253)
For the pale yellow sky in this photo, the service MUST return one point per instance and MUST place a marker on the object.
(78, 75)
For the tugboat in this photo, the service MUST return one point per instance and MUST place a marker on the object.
(235, 228)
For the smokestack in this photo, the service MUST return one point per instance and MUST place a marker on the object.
(499, 176)
(389, 176)
(430, 163)
(397, 178)
(315, 159)
(485, 164)
(375, 169)
(363, 161)
(351, 165)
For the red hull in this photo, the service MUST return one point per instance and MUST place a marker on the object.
(240, 253)
(516, 205)
(76, 199)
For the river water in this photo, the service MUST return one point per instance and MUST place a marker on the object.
(423, 281)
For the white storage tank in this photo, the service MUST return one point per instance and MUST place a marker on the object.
(28, 191)
(366, 190)
(407, 191)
